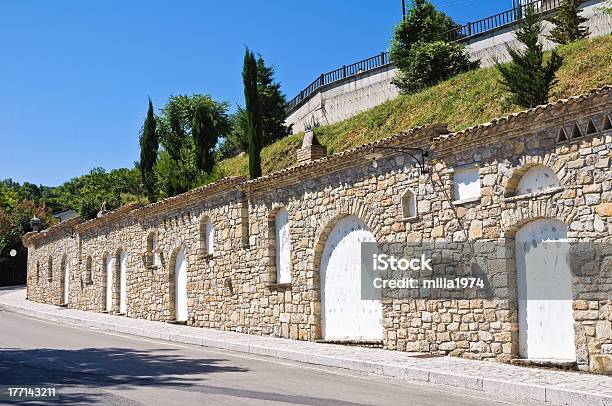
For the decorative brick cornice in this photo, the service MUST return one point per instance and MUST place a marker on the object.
(420, 137)
(33, 237)
(502, 128)
(188, 198)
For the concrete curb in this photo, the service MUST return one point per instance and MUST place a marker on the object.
(542, 393)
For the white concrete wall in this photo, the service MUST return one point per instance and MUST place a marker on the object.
(342, 100)
(491, 45)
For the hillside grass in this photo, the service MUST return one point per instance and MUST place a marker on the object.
(468, 99)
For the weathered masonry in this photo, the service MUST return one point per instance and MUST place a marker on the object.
(276, 255)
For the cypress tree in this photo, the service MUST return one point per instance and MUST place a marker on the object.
(271, 103)
(568, 21)
(149, 144)
(249, 77)
(204, 137)
(527, 77)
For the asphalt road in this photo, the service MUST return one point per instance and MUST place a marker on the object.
(91, 367)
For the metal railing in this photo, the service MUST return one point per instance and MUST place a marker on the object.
(498, 20)
(339, 74)
(459, 33)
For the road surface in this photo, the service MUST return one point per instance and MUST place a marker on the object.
(92, 367)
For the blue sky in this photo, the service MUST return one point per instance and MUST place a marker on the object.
(75, 75)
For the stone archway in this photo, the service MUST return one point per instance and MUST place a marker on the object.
(344, 314)
(546, 324)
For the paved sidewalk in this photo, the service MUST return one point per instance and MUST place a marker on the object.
(556, 387)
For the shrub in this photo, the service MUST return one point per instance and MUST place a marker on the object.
(430, 63)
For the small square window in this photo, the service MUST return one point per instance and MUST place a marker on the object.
(466, 183)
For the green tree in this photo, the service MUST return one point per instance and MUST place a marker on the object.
(251, 98)
(568, 23)
(205, 138)
(527, 77)
(432, 62)
(190, 127)
(15, 216)
(173, 128)
(237, 141)
(149, 145)
(272, 104)
(419, 50)
(175, 177)
(423, 23)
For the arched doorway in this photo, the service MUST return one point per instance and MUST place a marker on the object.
(180, 284)
(123, 282)
(546, 323)
(108, 266)
(345, 316)
(66, 272)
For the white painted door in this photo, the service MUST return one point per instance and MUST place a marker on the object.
(66, 281)
(546, 323)
(210, 237)
(283, 247)
(180, 275)
(123, 283)
(109, 283)
(345, 316)
(155, 259)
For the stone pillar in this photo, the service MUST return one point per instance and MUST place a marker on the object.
(311, 149)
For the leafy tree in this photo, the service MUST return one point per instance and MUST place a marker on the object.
(251, 97)
(527, 77)
(15, 216)
(149, 144)
(568, 23)
(423, 23)
(173, 128)
(418, 41)
(237, 141)
(86, 193)
(190, 127)
(272, 104)
(175, 177)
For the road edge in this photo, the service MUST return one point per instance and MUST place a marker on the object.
(542, 393)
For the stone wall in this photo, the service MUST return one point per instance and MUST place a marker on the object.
(344, 99)
(235, 288)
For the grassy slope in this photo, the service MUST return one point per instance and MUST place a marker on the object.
(472, 98)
